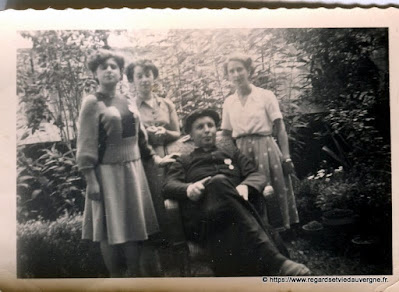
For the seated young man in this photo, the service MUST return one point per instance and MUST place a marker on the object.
(213, 187)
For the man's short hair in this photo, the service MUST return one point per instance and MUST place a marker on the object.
(195, 115)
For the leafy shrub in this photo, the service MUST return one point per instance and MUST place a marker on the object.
(372, 200)
(48, 186)
(365, 191)
(335, 195)
(327, 189)
(55, 249)
(306, 192)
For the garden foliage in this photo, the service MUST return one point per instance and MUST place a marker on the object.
(55, 250)
(48, 186)
(52, 77)
(332, 85)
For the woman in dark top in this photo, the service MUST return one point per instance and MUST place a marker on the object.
(119, 211)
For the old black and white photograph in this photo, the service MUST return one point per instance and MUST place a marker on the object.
(204, 152)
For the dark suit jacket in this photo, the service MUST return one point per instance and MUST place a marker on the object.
(200, 164)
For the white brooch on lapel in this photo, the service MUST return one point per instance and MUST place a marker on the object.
(228, 162)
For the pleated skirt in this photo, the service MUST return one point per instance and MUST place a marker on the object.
(265, 153)
(126, 211)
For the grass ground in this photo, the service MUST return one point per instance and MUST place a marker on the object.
(55, 250)
(329, 262)
(324, 256)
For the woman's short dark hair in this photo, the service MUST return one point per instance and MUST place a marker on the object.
(99, 56)
(145, 64)
(244, 59)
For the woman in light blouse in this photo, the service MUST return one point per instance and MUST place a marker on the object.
(158, 114)
(162, 125)
(249, 116)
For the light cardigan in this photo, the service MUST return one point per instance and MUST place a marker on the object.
(93, 112)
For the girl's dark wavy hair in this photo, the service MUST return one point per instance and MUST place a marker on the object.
(99, 56)
(145, 64)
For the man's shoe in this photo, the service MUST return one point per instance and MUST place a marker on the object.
(291, 268)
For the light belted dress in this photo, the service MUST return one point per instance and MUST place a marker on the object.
(252, 126)
(111, 140)
(161, 112)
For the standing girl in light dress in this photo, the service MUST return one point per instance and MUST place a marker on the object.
(118, 212)
(161, 122)
(249, 116)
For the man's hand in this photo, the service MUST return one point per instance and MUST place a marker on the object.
(195, 190)
(243, 191)
(268, 191)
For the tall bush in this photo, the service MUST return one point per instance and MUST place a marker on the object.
(52, 77)
(348, 73)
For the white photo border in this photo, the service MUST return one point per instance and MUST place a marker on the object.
(13, 21)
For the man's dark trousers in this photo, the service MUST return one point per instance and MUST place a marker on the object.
(237, 241)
